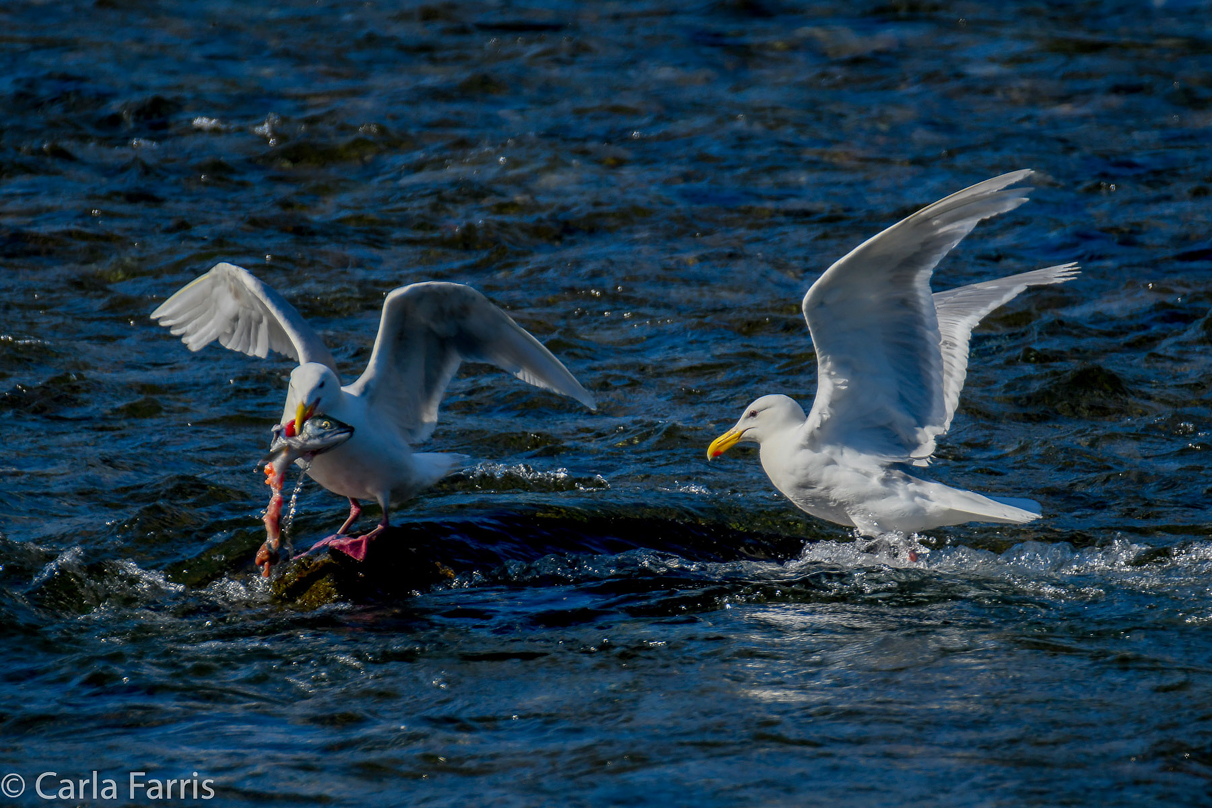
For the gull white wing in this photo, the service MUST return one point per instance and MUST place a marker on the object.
(426, 330)
(231, 305)
(880, 366)
(959, 310)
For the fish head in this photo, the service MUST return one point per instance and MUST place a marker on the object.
(322, 432)
(319, 434)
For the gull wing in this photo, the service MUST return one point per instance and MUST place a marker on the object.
(427, 329)
(880, 365)
(231, 305)
(959, 310)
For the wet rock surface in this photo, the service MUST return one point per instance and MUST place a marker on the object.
(415, 557)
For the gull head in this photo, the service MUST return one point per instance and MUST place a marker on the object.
(316, 389)
(763, 419)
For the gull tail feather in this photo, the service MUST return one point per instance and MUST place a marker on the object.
(434, 466)
(979, 508)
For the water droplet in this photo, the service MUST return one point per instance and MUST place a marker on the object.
(294, 496)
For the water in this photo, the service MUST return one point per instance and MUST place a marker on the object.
(649, 188)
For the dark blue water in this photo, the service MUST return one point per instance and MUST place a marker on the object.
(649, 188)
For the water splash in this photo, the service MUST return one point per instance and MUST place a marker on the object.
(679, 487)
(71, 558)
(289, 517)
(888, 550)
(522, 477)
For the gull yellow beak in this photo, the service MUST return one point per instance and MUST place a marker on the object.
(302, 414)
(724, 442)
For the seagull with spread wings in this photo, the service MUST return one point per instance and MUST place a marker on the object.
(891, 362)
(426, 331)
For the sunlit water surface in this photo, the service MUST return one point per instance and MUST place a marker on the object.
(649, 188)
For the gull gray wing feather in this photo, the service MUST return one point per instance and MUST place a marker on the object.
(959, 311)
(231, 305)
(426, 331)
(880, 367)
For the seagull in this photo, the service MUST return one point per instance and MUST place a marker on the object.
(891, 361)
(426, 331)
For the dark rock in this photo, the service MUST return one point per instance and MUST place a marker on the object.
(217, 560)
(417, 556)
(61, 392)
(394, 571)
(145, 407)
(315, 153)
(482, 84)
(520, 26)
(1090, 391)
(1205, 328)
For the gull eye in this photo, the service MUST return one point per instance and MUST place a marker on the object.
(753, 413)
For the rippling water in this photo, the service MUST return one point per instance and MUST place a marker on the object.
(649, 188)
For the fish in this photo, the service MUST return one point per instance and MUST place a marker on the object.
(319, 435)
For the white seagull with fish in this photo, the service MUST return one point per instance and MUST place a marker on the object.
(426, 331)
(891, 361)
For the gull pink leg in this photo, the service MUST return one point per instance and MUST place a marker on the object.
(353, 546)
(355, 510)
(357, 546)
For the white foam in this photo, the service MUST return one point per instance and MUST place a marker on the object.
(239, 591)
(687, 488)
(1055, 571)
(889, 550)
(149, 583)
(69, 559)
(205, 124)
(560, 479)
